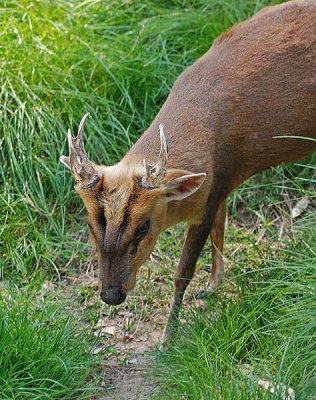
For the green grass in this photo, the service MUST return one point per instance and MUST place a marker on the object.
(118, 60)
(43, 355)
(272, 329)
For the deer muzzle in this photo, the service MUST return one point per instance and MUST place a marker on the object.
(113, 295)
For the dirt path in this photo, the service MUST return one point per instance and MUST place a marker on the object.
(127, 335)
(130, 382)
(127, 375)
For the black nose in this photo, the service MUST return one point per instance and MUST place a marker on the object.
(113, 295)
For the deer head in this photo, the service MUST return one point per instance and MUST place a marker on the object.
(128, 206)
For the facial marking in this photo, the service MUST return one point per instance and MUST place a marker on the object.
(116, 204)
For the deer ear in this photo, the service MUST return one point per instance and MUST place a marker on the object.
(66, 161)
(183, 186)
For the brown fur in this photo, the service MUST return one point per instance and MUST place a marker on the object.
(257, 81)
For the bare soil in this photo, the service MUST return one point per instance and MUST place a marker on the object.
(127, 336)
(131, 382)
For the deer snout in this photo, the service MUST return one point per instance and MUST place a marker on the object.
(113, 295)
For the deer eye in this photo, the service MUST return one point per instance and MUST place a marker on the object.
(133, 249)
(139, 235)
(143, 229)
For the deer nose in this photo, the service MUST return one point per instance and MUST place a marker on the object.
(113, 295)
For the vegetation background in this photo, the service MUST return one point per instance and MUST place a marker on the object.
(118, 60)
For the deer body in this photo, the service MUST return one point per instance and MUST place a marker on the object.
(256, 82)
(222, 117)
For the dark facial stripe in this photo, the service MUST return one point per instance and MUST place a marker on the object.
(100, 217)
(133, 196)
(102, 221)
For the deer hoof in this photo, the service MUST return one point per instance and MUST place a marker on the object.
(204, 294)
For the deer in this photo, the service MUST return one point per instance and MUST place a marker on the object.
(246, 105)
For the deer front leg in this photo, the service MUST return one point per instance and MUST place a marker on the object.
(217, 237)
(195, 240)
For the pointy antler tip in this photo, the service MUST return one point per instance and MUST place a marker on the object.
(163, 139)
(69, 136)
(83, 119)
(161, 132)
(81, 125)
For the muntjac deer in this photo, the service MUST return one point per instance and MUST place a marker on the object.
(224, 120)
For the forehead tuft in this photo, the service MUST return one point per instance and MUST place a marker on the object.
(119, 191)
(116, 201)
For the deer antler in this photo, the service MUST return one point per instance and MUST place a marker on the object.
(85, 175)
(156, 172)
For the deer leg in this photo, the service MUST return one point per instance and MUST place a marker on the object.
(195, 240)
(217, 237)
